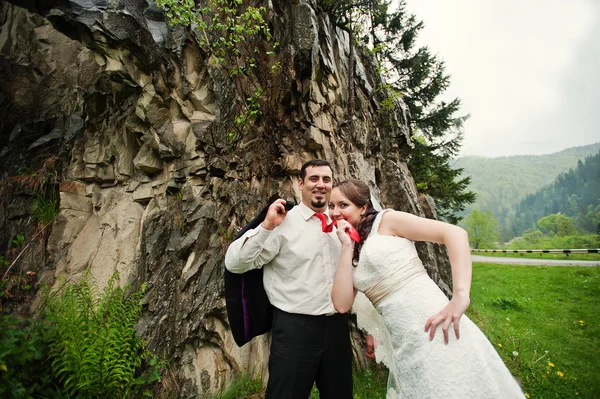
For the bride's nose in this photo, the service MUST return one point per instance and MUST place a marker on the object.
(335, 212)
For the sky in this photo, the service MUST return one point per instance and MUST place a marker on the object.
(527, 71)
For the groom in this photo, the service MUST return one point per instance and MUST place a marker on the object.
(310, 341)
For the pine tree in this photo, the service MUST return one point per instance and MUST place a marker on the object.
(420, 79)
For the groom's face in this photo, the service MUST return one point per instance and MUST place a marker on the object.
(316, 187)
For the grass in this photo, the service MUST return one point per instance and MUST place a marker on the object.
(545, 324)
(369, 383)
(46, 209)
(595, 257)
(244, 386)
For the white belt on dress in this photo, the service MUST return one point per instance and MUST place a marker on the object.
(394, 280)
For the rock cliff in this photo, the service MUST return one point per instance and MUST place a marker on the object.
(129, 120)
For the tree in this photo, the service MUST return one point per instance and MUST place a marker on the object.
(532, 236)
(482, 228)
(434, 176)
(419, 78)
(557, 224)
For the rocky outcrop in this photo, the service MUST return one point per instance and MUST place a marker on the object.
(152, 185)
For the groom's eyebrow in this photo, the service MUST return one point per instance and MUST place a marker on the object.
(316, 177)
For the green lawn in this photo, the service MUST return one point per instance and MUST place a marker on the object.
(595, 257)
(367, 384)
(545, 323)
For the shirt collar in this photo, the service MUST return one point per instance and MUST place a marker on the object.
(307, 213)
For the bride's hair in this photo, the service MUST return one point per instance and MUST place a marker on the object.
(358, 192)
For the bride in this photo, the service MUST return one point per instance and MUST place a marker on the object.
(458, 363)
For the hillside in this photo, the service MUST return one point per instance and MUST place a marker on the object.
(575, 193)
(500, 183)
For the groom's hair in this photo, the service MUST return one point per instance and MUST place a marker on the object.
(313, 162)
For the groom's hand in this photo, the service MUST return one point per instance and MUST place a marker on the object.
(370, 351)
(275, 215)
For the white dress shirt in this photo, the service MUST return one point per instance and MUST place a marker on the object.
(298, 258)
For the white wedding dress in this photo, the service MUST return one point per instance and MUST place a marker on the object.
(393, 278)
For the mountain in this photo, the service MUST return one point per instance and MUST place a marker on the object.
(575, 193)
(500, 183)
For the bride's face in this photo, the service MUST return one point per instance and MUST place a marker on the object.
(341, 208)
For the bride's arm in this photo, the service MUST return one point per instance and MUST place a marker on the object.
(457, 242)
(343, 291)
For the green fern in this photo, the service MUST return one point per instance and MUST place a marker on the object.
(95, 348)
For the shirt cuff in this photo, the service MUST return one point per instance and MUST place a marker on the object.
(260, 233)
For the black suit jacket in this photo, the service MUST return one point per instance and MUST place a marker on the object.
(248, 308)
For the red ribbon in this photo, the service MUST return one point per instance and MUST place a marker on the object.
(328, 228)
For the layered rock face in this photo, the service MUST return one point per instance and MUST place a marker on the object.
(152, 184)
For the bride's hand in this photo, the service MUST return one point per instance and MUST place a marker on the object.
(451, 314)
(342, 232)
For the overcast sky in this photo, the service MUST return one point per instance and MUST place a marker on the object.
(527, 71)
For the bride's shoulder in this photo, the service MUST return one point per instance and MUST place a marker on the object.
(391, 215)
(392, 221)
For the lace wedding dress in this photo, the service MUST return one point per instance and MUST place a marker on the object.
(393, 278)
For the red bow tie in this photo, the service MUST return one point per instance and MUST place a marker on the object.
(328, 228)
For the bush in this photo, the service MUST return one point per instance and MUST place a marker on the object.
(95, 350)
(534, 240)
(25, 370)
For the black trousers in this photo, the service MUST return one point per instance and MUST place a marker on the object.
(307, 349)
